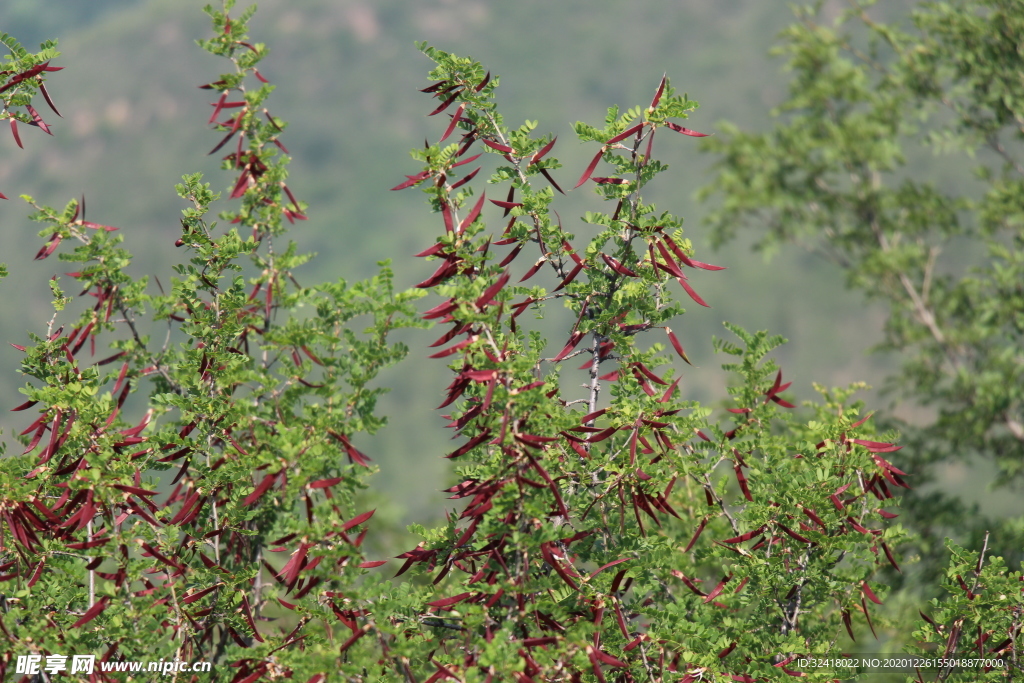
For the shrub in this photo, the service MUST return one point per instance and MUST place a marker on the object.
(609, 532)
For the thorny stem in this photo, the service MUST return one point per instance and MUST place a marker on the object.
(175, 387)
(791, 614)
(1015, 632)
(92, 572)
(981, 562)
(216, 522)
(706, 484)
(647, 663)
(958, 623)
(559, 265)
(257, 589)
(595, 383)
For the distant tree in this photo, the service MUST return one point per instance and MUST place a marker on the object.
(833, 176)
(844, 173)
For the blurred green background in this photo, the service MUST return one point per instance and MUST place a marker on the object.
(348, 74)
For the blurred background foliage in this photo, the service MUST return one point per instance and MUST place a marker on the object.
(348, 74)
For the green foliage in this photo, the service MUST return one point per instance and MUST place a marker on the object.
(600, 540)
(840, 174)
(24, 76)
(985, 598)
(161, 535)
(611, 530)
(831, 176)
